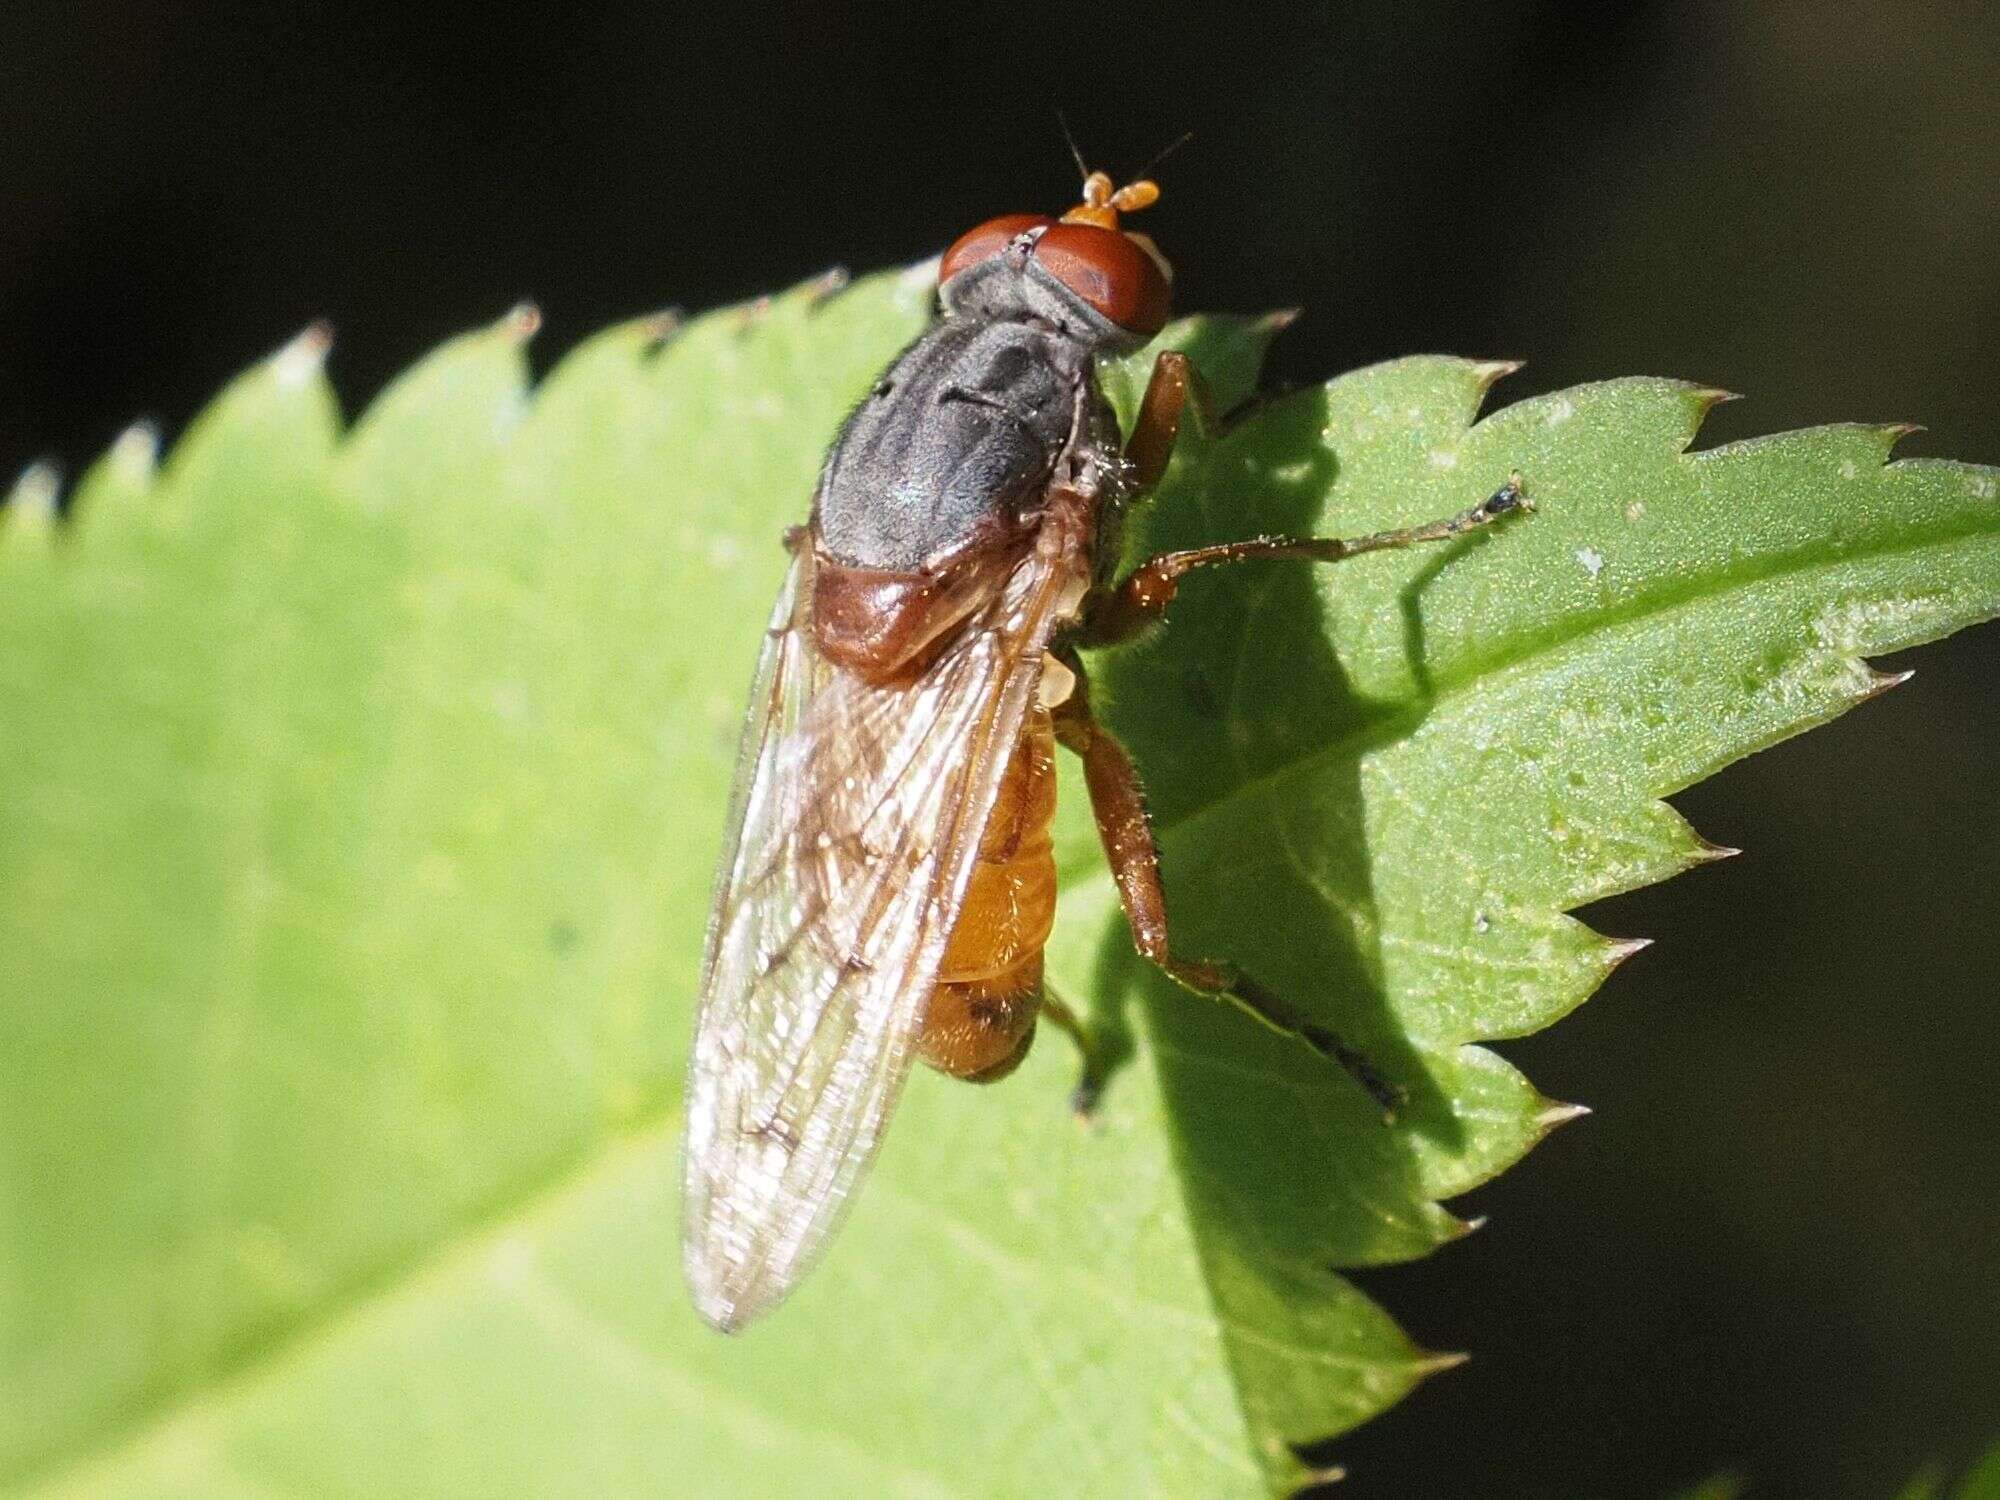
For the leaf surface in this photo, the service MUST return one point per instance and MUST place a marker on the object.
(359, 791)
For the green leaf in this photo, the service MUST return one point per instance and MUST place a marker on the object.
(1980, 1482)
(359, 794)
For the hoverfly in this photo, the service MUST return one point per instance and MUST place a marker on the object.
(888, 882)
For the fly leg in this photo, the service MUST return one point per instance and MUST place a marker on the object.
(1142, 596)
(1175, 384)
(1119, 805)
(1058, 1014)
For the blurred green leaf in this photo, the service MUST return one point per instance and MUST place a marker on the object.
(1722, 1487)
(1980, 1482)
(358, 801)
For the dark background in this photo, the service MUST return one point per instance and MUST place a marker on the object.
(1776, 1248)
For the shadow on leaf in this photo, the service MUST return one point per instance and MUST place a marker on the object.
(1251, 739)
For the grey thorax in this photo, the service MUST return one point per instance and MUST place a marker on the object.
(969, 421)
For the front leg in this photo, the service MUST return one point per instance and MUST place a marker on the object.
(1142, 596)
(1119, 805)
(1174, 387)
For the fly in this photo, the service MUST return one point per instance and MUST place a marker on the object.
(888, 882)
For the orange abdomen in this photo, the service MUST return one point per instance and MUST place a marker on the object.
(982, 1015)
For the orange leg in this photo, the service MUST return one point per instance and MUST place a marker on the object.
(1119, 806)
(1174, 384)
(1142, 596)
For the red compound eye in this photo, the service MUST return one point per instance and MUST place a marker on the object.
(987, 241)
(1108, 271)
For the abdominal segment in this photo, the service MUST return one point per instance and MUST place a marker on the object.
(981, 1016)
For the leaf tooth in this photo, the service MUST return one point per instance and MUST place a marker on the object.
(282, 405)
(1486, 374)
(1311, 1475)
(304, 358)
(31, 507)
(1617, 950)
(458, 406)
(1702, 400)
(1606, 958)
(823, 288)
(1661, 413)
(1837, 450)
(36, 489)
(1656, 844)
(1690, 849)
(1461, 1228)
(520, 323)
(119, 480)
(1880, 438)
(663, 325)
(1438, 1363)
(1553, 1114)
(1239, 348)
(136, 450)
(745, 317)
(605, 357)
(1880, 682)
(806, 296)
(1315, 1457)
(1230, 347)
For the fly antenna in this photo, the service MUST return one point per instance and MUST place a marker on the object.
(1070, 140)
(1159, 156)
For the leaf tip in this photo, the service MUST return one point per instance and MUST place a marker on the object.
(664, 324)
(522, 322)
(753, 312)
(828, 284)
(1277, 320)
(137, 448)
(1437, 1364)
(1708, 397)
(35, 495)
(1465, 1228)
(1488, 373)
(1881, 682)
(304, 357)
(1553, 1114)
(1313, 1476)
(1708, 852)
(1623, 948)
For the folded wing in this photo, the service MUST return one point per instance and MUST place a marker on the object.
(855, 822)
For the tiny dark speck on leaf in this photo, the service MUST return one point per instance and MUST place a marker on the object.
(1201, 694)
(563, 936)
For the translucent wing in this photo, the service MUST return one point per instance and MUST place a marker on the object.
(856, 819)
